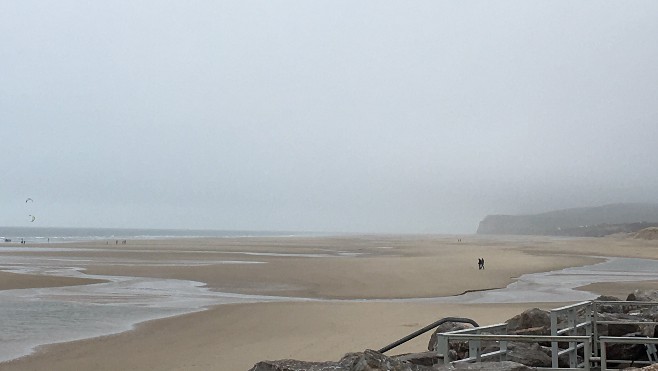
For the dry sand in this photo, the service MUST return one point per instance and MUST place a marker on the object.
(234, 337)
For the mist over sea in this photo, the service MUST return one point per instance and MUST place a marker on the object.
(54, 235)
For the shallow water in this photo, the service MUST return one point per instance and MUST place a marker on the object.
(33, 317)
(558, 286)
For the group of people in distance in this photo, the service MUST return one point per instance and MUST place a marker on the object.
(480, 263)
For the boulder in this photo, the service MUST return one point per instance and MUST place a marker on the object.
(371, 360)
(643, 295)
(622, 329)
(543, 330)
(429, 358)
(458, 349)
(345, 364)
(529, 354)
(608, 308)
(647, 368)
(486, 366)
(294, 365)
(530, 318)
(631, 352)
(446, 327)
(607, 298)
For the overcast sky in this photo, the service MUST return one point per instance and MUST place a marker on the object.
(340, 116)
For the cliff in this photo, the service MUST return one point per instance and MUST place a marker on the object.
(584, 222)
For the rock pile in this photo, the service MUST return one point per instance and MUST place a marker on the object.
(521, 355)
(371, 360)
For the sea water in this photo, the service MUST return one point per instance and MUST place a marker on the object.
(53, 235)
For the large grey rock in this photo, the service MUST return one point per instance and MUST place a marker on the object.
(345, 364)
(643, 295)
(531, 318)
(653, 367)
(294, 365)
(486, 366)
(631, 352)
(542, 330)
(458, 349)
(622, 329)
(609, 308)
(429, 358)
(371, 360)
(529, 354)
(446, 327)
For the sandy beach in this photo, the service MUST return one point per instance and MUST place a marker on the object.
(344, 269)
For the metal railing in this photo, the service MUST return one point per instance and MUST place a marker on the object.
(578, 319)
(601, 341)
(475, 354)
(443, 339)
(647, 342)
(423, 330)
(575, 324)
(626, 306)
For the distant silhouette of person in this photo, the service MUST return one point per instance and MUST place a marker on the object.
(480, 263)
(482, 259)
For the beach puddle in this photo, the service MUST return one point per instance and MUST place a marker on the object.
(40, 316)
(559, 286)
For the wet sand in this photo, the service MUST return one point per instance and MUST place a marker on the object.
(9, 281)
(235, 336)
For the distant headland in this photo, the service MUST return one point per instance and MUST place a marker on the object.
(596, 221)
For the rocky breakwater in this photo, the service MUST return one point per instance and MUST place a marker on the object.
(521, 355)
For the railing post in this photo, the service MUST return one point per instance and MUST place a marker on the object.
(603, 365)
(588, 331)
(595, 329)
(573, 354)
(586, 354)
(474, 350)
(503, 350)
(444, 347)
(554, 347)
(588, 319)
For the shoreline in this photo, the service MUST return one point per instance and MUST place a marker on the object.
(351, 311)
(177, 331)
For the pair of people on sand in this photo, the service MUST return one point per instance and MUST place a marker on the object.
(480, 263)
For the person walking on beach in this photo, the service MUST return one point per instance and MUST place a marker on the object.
(482, 260)
(480, 263)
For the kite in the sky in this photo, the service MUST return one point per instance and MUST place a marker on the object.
(29, 199)
(33, 218)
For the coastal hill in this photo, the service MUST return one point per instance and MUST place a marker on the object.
(580, 222)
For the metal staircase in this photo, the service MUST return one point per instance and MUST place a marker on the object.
(577, 325)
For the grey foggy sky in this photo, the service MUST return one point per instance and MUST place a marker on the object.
(356, 116)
